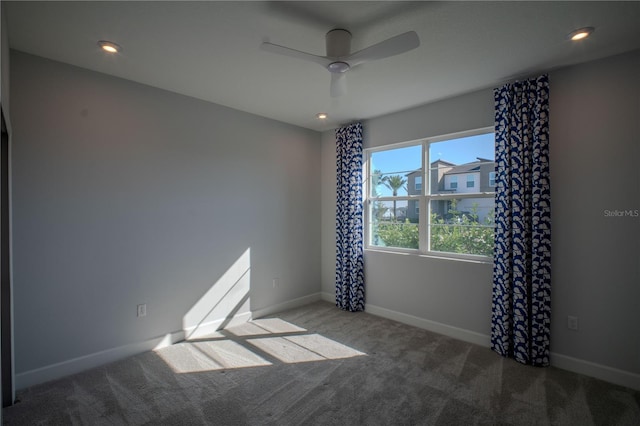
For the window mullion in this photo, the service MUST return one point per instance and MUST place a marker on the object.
(366, 199)
(463, 195)
(423, 219)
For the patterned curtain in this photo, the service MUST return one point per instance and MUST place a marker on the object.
(349, 220)
(521, 305)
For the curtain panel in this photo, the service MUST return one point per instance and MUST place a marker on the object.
(521, 301)
(349, 219)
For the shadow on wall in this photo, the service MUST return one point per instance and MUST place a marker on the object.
(219, 306)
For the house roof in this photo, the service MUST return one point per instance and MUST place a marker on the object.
(474, 166)
(439, 161)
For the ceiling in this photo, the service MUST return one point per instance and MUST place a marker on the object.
(210, 50)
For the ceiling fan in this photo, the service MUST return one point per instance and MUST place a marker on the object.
(339, 58)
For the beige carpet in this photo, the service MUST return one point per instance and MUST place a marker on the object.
(318, 365)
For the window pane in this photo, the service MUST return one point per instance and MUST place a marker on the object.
(462, 164)
(462, 225)
(471, 180)
(393, 171)
(394, 224)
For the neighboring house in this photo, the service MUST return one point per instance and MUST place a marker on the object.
(448, 178)
(401, 214)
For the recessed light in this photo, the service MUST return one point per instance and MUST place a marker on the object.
(109, 46)
(321, 116)
(580, 33)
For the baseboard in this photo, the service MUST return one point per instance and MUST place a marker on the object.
(576, 365)
(599, 371)
(76, 365)
(290, 304)
(202, 330)
(328, 297)
(436, 327)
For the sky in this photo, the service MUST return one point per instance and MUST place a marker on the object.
(458, 151)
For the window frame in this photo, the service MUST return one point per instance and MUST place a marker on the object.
(453, 183)
(471, 179)
(417, 186)
(423, 199)
(492, 185)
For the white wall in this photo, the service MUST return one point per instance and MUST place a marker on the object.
(125, 194)
(594, 132)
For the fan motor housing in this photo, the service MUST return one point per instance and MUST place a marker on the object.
(338, 43)
(338, 67)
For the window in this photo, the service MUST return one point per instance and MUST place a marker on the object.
(471, 183)
(492, 179)
(435, 218)
(453, 182)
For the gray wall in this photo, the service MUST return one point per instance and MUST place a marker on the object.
(4, 102)
(595, 149)
(454, 293)
(328, 214)
(4, 79)
(594, 130)
(4, 62)
(126, 194)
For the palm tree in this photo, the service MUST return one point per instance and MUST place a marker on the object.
(376, 179)
(394, 183)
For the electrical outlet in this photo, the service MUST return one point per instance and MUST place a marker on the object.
(276, 282)
(142, 310)
(572, 323)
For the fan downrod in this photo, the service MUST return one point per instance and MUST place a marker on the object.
(338, 42)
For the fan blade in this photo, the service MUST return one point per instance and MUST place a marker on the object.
(338, 84)
(281, 50)
(390, 47)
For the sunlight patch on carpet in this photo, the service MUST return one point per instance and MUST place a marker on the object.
(188, 357)
(258, 343)
(265, 326)
(304, 348)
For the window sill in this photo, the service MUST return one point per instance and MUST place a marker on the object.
(481, 260)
